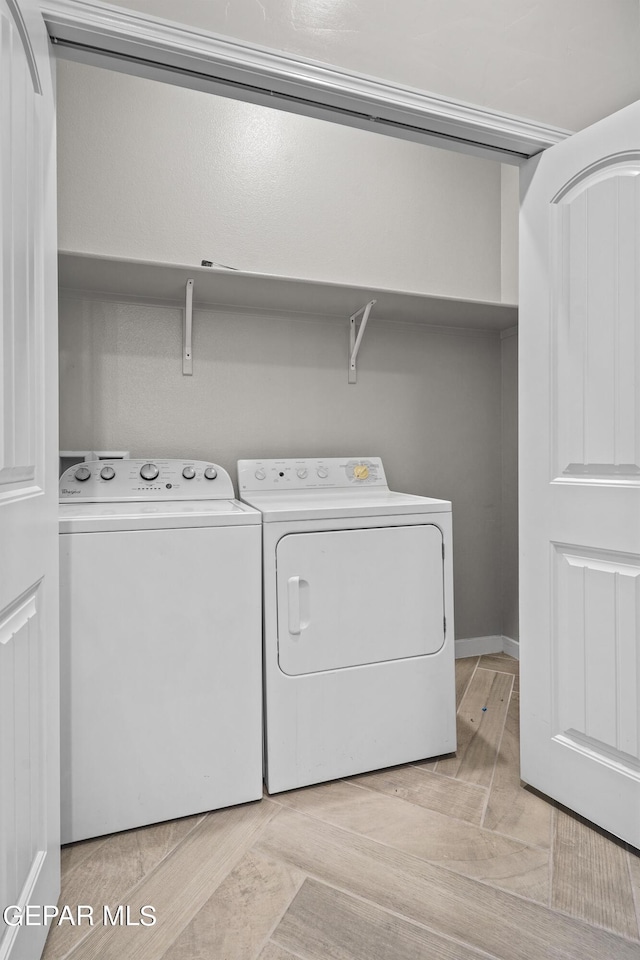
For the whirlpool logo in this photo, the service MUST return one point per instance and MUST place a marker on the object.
(69, 493)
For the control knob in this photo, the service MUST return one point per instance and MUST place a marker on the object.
(302, 473)
(188, 473)
(149, 471)
(361, 471)
(107, 473)
(82, 474)
(210, 473)
(322, 472)
(260, 473)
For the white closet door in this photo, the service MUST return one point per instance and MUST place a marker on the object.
(351, 597)
(29, 722)
(580, 473)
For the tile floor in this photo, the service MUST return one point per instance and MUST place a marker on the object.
(446, 860)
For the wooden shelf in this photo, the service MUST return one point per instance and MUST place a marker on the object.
(149, 282)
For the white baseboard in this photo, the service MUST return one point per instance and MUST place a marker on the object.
(512, 647)
(477, 646)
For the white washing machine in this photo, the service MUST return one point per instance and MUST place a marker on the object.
(358, 619)
(161, 644)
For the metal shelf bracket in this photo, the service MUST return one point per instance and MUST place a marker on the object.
(187, 331)
(355, 337)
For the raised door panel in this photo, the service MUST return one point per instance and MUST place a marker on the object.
(596, 337)
(353, 597)
(596, 636)
(22, 784)
(20, 251)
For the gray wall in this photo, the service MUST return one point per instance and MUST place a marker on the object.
(427, 402)
(509, 381)
(509, 225)
(509, 511)
(566, 63)
(154, 172)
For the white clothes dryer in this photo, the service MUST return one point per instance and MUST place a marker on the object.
(358, 619)
(161, 644)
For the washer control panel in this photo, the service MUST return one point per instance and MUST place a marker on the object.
(311, 474)
(118, 480)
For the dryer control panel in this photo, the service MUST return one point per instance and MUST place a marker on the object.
(311, 473)
(95, 481)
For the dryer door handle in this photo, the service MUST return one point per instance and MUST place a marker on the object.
(298, 596)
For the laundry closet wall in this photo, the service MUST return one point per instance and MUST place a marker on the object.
(154, 172)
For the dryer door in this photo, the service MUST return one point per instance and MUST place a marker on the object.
(352, 597)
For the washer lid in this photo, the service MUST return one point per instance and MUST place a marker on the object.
(158, 515)
(336, 504)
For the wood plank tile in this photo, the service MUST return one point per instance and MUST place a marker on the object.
(426, 764)
(512, 810)
(591, 876)
(104, 870)
(634, 871)
(181, 885)
(464, 801)
(73, 854)
(274, 952)
(235, 922)
(479, 731)
(473, 913)
(323, 922)
(501, 662)
(459, 846)
(465, 668)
